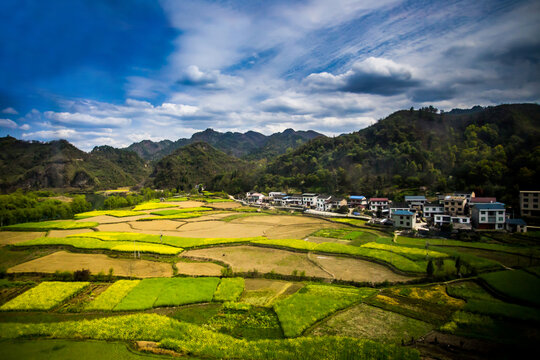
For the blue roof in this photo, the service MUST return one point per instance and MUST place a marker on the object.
(403, 212)
(490, 206)
(357, 197)
(415, 198)
(516, 222)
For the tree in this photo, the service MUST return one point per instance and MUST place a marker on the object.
(430, 269)
(458, 265)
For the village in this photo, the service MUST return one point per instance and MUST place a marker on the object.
(459, 211)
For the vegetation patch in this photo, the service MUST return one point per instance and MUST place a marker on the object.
(503, 310)
(152, 206)
(411, 253)
(229, 289)
(198, 314)
(51, 225)
(312, 303)
(517, 284)
(115, 213)
(355, 222)
(108, 299)
(174, 216)
(92, 243)
(45, 296)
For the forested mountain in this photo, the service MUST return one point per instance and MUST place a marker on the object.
(250, 145)
(58, 164)
(494, 151)
(195, 164)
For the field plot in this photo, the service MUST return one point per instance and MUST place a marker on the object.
(312, 303)
(105, 219)
(263, 292)
(229, 289)
(516, 284)
(199, 268)
(14, 237)
(507, 259)
(247, 258)
(156, 292)
(344, 268)
(65, 233)
(212, 229)
(368, 322)
(114, 213)
(44, 296)
(51, 225)
(65, 261)
(299, 231)
(280, 220)
(156, 225)
(180, 211)
(224, 205)
(108, 299)
(123, 227)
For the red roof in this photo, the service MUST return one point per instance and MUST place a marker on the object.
(378, 199)
(483, 200)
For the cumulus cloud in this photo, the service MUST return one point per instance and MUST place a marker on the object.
(7, 123)
(214, 79)
(86, 119)
(371, 76)
(10, 111)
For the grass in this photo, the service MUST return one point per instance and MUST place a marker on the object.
(312, 303)
(211, 201)
(468, 290)
(357, 237)
(96, 244)
(198, 314)
(369, 322)
(112, 296)
(51, 225)
(45, 296)
(229, 289)
(354, 222)
(516, 284)
(503, 310)
(9, 258)
(157, 292)
(408, 252)
(152, 206)
(191, 339)
(69, 349)
(180, 211)
(115, 213)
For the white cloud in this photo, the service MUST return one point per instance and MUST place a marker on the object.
(86, 119)
(24, 127)
(7, 123)
(10, 111)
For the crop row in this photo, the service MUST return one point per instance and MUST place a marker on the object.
(92, 243)
(312, 303)
(45, 296)
(108, 299)
(52, 225)
(195, 340)
(229, 289)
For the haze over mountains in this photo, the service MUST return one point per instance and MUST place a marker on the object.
(494, 150)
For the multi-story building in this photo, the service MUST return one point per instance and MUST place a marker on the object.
(357, 201)
(416, 202)
(397, 207)
(529, 203)
(431, 209)
(455, 205)
(321, 201)
(489, 216)
(309, 200)
(468, 195)
(404, 219)
(376, 204)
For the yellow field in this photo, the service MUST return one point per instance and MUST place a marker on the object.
(65, 261)
(64, 233)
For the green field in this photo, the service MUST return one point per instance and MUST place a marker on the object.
(115, 213)
(229, 289)
(112, 296)
(51, 225)
(45, 296)
(152, 206)
(517, 284)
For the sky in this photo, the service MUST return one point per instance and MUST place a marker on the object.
(114, 72)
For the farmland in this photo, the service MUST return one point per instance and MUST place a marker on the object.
(231, 282)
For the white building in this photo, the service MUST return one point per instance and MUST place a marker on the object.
(430, 210)
(309, 200)
(489, 216)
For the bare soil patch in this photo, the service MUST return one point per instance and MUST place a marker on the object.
(298, 231)
(280, 220)
(65, 261)
(119, 227)
(106, 219)
(199, 268)
(213, 229)
(350, 269)
(217, 216)
(14, 237)
(247, 258)
(156, 225)
(263, 292)
(186, 204)
(64, 233)
(224, 205)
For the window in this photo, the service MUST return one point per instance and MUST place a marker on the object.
(408, 223)
(482, 219)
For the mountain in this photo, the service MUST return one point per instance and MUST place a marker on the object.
(59, 164)
(194, 164)
(494, 151)
(250, 145)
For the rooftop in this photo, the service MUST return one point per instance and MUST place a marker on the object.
(403, 212)
(378, 199)
(490, 206)
(516, 222)
(413, 198)
(357, 197)
(483, 200)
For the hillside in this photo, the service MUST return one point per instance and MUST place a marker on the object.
(59, 164)
(494, 151)
(194, 164)
(250, 145)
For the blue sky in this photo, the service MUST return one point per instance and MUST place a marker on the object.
(115, 72)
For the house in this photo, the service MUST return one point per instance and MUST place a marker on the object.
(455, 205)
(255, 197)
(275, 194)
(404, 219)
(334, 203)
(468, 195)
(321, 202)
(396, 207)
(416, 202)
(441, 219)
(516, 225)
(529, 203)
(357, 201)
(279, 200)
(488, 216)
(431, 209)
(309, 200)
(461, 222)
(376, 204)
(294, 200)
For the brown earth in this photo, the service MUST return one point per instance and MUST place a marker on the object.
(213, 229)
(224, 205)
(263, 292)
(65, 261)
(14, 237)
(64, 233)
(246, 258)
(299, 231)
(156, 225)
(106, 219)
(199, 268)
(280, 220)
